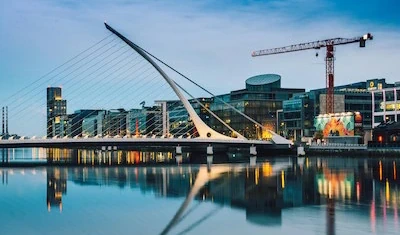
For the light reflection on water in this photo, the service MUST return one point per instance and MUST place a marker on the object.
(281, 196)
(106, 156)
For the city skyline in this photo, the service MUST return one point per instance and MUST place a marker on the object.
(198, 39)
(187, 116)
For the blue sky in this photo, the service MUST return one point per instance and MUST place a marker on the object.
(207, 40)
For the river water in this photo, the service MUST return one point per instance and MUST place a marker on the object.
(311, 195)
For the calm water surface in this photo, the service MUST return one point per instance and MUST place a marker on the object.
(276, 196)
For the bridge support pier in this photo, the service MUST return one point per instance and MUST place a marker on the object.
(178, 159)
(178, 152)
(210, 157)
(253, 155)
(210, 150)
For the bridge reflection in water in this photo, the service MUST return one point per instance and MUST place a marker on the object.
(263, 192)
(112, 156)
(99, 157)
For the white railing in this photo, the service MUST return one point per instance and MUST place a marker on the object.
(147, 139)
(337, 146)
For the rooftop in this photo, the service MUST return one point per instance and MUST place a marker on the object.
(263, 79)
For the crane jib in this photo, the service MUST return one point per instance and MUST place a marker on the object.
(313, 45)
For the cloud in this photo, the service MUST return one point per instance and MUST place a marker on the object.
(210, 41)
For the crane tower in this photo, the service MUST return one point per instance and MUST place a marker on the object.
(329, 58)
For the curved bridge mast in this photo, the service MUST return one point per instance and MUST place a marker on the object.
(205, 132)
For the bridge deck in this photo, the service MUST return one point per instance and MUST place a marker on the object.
(92, 142)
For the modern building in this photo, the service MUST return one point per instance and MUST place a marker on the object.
(136, 122)
(260, 100)
(299, 112)
(57, 119)
(297, 116)
(75, 122)
(387, 105)
(167, 118)
(387, 133)
(115, 123)
(93, 125)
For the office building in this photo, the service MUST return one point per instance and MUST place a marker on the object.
(387, 105)
(56, 113)
(260, 100)
(93, 125)
(299, 112)
(75, 122)
(115, 123)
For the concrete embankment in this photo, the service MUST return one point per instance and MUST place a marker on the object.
(362, 151)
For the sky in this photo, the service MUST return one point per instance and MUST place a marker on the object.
(209, 41)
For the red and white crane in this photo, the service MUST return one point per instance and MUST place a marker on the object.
(329, 44)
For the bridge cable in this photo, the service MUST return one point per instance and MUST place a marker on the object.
(204, 89)
(66, 62)
(58, 67)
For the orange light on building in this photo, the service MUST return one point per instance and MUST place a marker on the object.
(380, 170)
(283, 179)
(380, 138)
(394, 171)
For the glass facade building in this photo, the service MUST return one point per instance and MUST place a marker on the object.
(260, 100)
(300, 110)
(56, 113)
(386, 106)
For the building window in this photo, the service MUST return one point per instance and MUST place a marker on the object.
(389, 95)
(378, 119)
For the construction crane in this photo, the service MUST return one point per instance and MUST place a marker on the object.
(330, 56)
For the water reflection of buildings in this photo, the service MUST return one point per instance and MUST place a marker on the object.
(262, 191)
(106, 156)
(56, 187)
(8, 155)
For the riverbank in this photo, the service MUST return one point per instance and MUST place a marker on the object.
(362, 151)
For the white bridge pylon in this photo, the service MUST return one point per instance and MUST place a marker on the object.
(204, 176)
(205, 132)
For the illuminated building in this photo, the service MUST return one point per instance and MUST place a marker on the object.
(56, 113)
(387, 105)
(387, 133)
(260, 100)
(299, 112)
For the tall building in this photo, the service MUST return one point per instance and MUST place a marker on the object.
(56, 113)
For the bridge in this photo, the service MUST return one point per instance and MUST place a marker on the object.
(159, 130)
